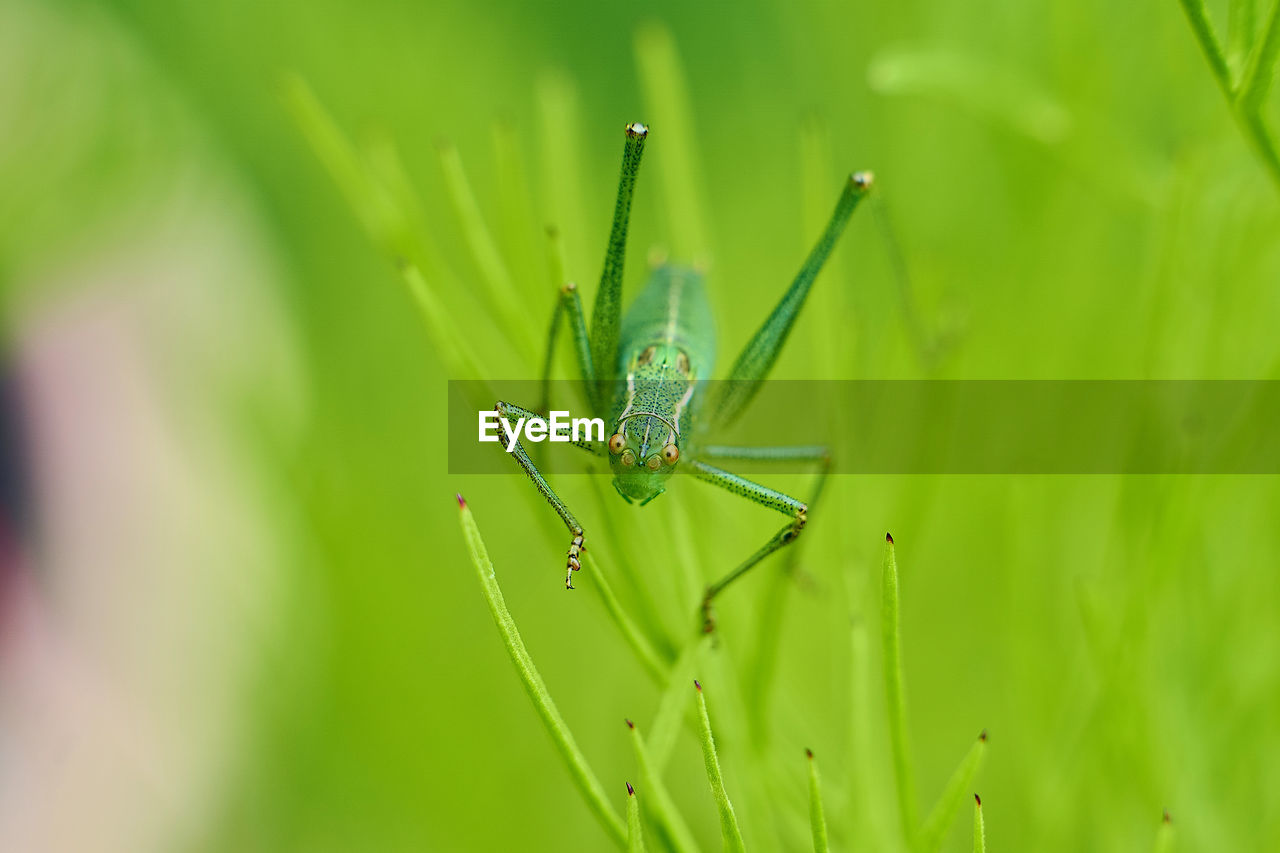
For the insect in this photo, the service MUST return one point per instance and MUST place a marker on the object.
(646, 370)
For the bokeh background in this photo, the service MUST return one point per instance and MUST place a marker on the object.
(237, 610)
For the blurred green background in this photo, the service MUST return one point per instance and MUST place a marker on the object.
(1072, 199)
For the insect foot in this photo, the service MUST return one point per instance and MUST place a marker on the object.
(802, 517)
(576, 549)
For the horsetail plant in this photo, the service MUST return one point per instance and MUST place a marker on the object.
(817, 816)
(375, 186)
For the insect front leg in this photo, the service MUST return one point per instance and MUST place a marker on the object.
(578, 544)
(762, 495)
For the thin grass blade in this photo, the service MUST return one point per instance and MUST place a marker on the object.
(729, 830)
(1165, 835)
(456, 352)
(672, 703)
(658, 801)
(948, 806)
(500, 294)
(560, 130)
(517, 226)
(895, 691)
(817, 817)
(979, 827)
(1261, 68)
(634, 637)
(666, 96)
(583, 776)
(635, 834)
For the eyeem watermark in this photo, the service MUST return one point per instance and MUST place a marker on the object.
(540, 429)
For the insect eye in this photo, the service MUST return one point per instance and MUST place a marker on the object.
(671, 453)
(616, 443)
(628, 458)
(654, 462)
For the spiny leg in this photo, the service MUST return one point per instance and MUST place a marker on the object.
(758, 356)
(577, 545)
(813, 453)
(762, 495)
(606, 316)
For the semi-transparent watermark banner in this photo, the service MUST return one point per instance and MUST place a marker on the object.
(896, 427)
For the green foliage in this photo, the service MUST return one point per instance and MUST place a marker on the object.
(583, 776)
(895, 692)
(729, 830)
(817, 815)
(1244, 69)
(1072, 202)
(635, 832)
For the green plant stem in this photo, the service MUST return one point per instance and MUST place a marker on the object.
(500, 292)
(817, 817)
(560, 131)
(635, 835)
(652, 662)
(674, 700)
(1245, 97)
(979, 827)
(622, 555)
(1165, 835)
(760, 676)
(517, 224)
(948, 805)
(1198, 17)
(454, 349)
(1261, 67)
(585, 779)
(894, 691)
(658, 801)
(729, 830)
(667, 101)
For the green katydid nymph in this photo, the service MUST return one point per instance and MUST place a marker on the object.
(646, 371)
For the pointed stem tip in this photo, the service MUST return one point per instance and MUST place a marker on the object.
(809, 754)
(630, 724)
(888, 537)
(1167, 818)
(982, 736)
(631, 792)
(697, 685)
(977, 800)
(462, 502)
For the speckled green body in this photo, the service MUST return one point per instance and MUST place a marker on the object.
(666, 350)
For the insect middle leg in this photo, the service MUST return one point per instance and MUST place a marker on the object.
(762, 495)
(578, 544)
